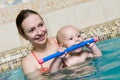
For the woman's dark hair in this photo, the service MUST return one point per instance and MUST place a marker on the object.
(20, 18)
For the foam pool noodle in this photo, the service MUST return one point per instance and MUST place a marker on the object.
(57, 54)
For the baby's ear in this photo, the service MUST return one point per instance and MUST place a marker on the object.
(61, 45)
(61, 48)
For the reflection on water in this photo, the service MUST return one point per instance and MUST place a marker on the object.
(69, 73)
(74, 72)
(106, 67)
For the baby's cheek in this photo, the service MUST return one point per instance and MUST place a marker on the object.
(69, 45)
(81, 39)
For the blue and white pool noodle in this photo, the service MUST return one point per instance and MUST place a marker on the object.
(57, 54)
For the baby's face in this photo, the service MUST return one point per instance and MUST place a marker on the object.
(71, 37)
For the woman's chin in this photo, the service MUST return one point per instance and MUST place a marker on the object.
(43, 41)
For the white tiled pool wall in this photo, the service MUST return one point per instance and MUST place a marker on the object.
(57, 13)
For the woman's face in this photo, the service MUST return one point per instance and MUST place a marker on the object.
(34, 29)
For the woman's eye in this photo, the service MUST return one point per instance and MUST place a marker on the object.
(41, 24)
(31, 30)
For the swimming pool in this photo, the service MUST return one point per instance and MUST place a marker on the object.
(106, 67)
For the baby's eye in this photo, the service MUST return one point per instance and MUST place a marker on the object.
(79, 35)
(71, 38)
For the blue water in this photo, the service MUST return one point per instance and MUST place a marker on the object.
(107, 67)
(16, 74)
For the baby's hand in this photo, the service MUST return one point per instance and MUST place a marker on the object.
(61, 49)
(90, 45)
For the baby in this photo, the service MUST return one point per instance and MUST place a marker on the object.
(68, 36)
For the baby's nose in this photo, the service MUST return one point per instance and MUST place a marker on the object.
(76, 39)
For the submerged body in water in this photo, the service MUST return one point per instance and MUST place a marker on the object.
(76, 71)
(106, 67)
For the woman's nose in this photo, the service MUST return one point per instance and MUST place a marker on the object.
(38, 31)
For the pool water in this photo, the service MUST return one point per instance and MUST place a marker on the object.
(106, 67)
(16, 74)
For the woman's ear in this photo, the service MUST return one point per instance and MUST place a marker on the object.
(25, 37)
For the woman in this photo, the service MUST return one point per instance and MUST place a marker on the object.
(32, 27)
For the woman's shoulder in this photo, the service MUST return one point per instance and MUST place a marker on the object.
(54, 40)
(28, 64)
(27, 59)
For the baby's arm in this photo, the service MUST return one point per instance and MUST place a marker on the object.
(55, 65)
(57, 62)
(95, 50)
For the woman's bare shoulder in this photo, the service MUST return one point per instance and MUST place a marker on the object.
(52, 38)
(28, 59)
(28, 64)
